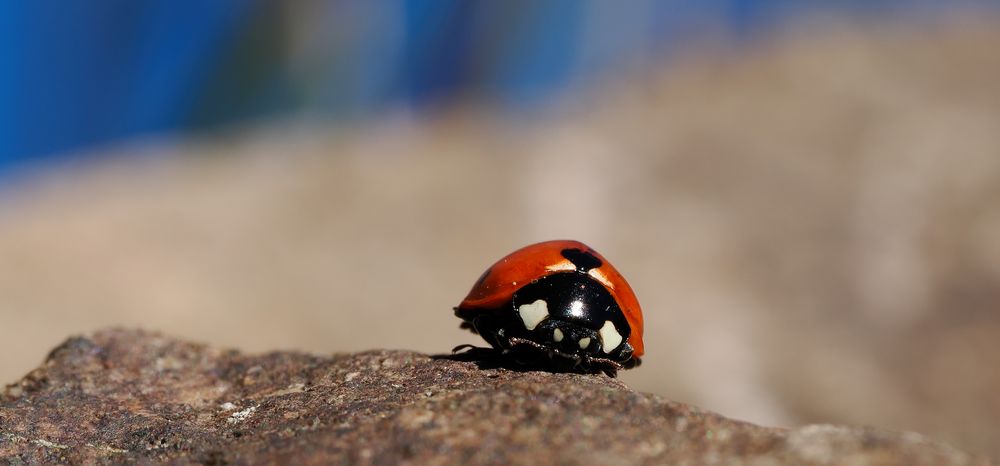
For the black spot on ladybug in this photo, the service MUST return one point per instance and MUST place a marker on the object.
(583, 260)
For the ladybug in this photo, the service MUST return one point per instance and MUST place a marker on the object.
(559, 305)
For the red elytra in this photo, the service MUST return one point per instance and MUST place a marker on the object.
(493, 294)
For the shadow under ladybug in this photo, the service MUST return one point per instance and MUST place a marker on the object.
(529, 356)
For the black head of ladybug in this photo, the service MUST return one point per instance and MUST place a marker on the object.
(572, 313)
(553, 305)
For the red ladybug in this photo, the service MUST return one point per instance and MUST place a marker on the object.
(561, 300)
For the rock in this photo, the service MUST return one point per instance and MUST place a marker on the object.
(124, 396)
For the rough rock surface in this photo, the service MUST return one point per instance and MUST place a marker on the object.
(122, 396)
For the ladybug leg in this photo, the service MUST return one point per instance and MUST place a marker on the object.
(551, 352)
(627, 360)
(567, 362)
(491, 331)
(633, 362)
(608, 366)
(518, 341)
(528, 353)
(465, 347)
(466, 325)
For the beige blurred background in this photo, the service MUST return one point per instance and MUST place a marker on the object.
(811, 223)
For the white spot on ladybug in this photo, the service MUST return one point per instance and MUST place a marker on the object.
(599, 275)
(557, 335)
(610, 336)
(532, 314)
(564, 266)
(584, 342)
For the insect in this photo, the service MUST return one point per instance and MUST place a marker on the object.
(559, 305)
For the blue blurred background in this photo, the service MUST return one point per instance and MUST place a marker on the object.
(77, 74)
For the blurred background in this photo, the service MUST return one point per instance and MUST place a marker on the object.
(805, 195)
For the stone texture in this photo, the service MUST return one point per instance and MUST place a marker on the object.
(125, 396)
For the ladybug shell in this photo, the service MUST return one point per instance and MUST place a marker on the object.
(497, 285)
